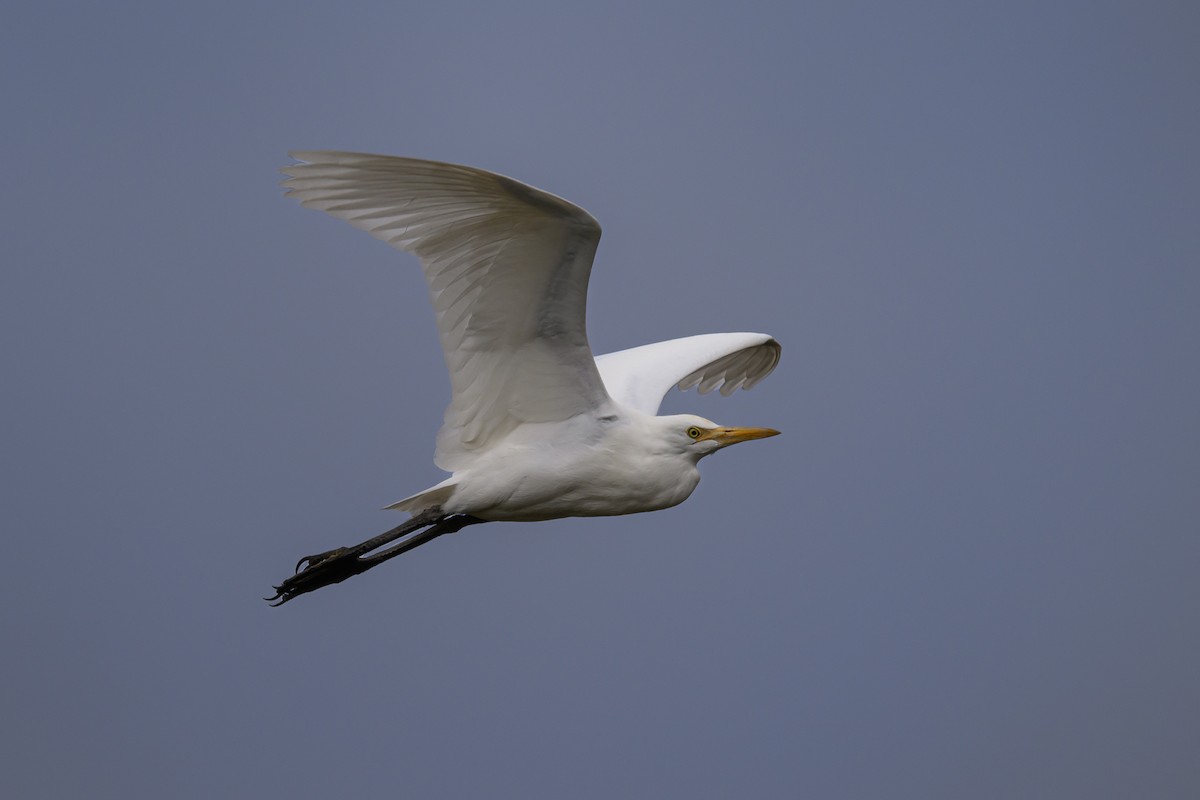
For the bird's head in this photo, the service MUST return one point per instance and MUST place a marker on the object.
(697, 436)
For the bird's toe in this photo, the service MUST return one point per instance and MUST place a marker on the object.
(308, 562)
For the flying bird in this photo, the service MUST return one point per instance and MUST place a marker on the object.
(537, 427)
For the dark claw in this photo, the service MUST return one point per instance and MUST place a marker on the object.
(317, 558)
(322, 569)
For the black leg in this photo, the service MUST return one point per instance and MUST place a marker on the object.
(335, 566)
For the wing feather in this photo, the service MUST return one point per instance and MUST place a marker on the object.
(640, 376)
(507, 267)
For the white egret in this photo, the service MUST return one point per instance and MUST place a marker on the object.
(537, 428)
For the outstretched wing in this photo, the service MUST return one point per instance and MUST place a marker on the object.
(640, 376)
(507, 267)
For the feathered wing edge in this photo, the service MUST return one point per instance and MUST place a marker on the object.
(640, 376)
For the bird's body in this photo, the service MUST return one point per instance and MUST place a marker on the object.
(537, 428)
(586, 466)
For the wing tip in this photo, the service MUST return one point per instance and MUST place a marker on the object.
(763, 356)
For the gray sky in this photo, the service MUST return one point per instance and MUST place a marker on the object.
(967, 569)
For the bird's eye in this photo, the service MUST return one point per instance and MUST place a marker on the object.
(694, 432)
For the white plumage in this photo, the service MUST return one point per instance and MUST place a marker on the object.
(536, 427)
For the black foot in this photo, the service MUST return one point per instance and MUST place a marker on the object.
(322, 569)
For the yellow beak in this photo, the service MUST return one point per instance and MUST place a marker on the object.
(728, 436)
